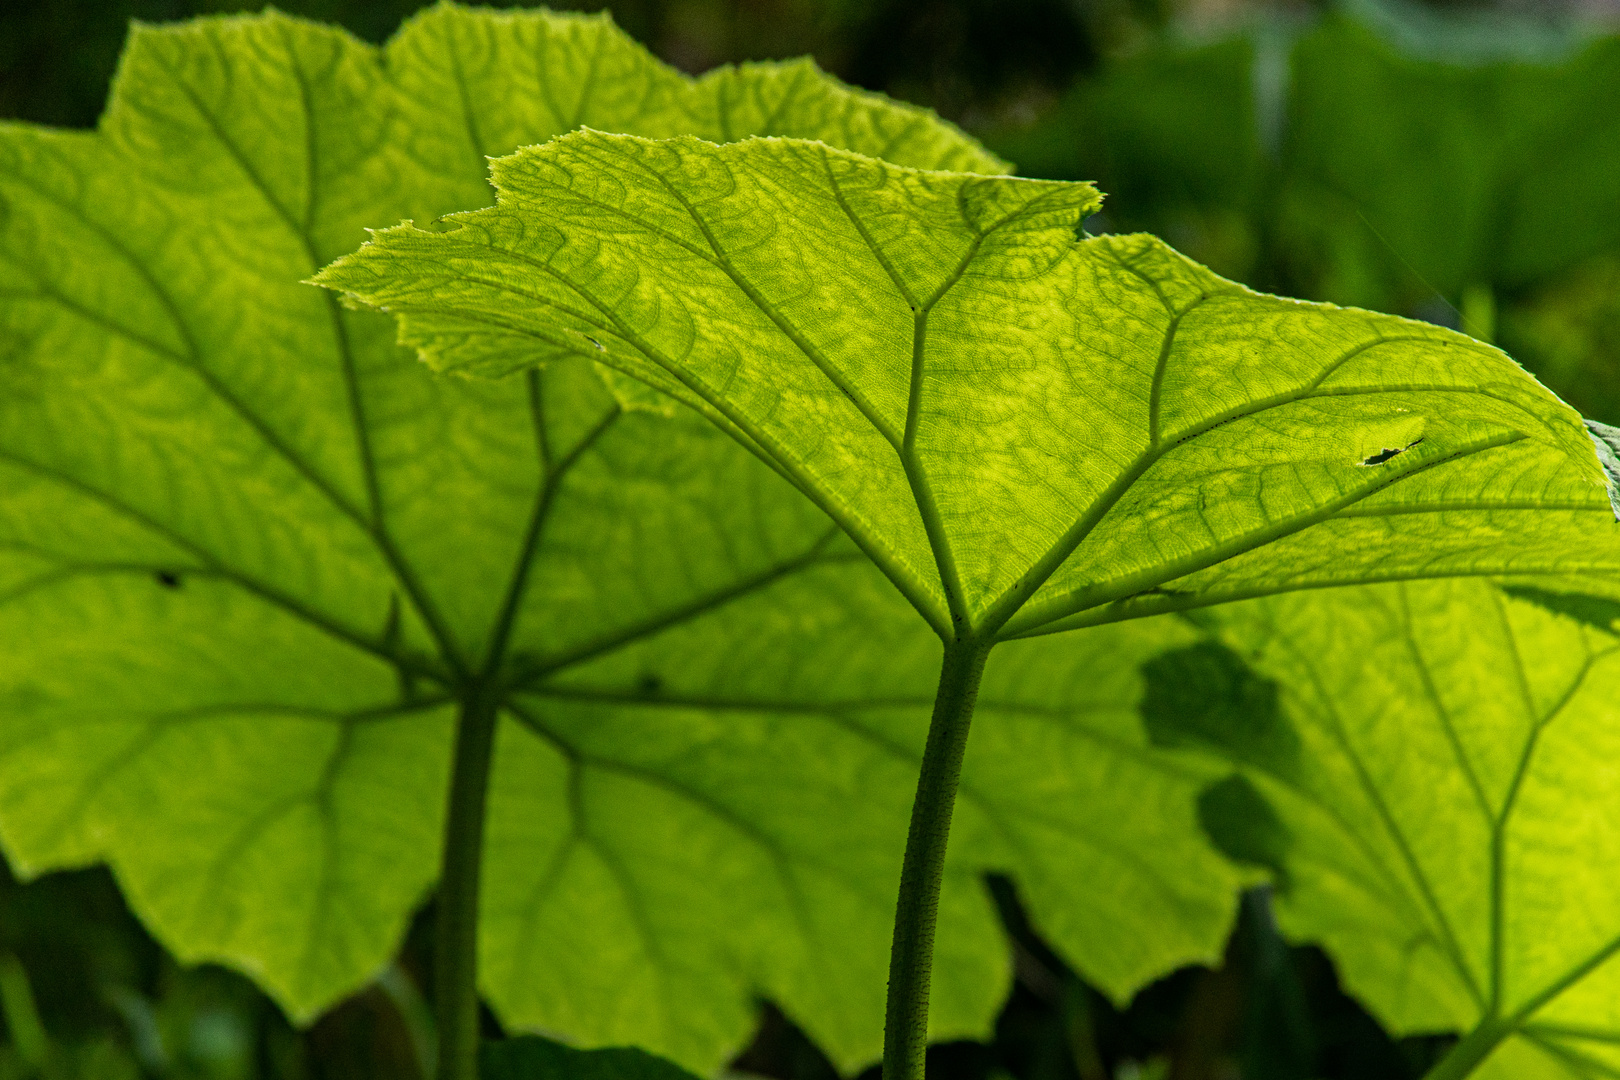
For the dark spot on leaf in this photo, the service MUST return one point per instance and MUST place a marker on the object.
(168, 579)
(1206, 696)
(1390, 451)
(599, 346)
(24, 696)
(1244, 827)
(649, 685)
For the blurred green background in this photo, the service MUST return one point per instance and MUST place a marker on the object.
(1457, 162)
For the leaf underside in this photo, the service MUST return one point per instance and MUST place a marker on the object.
(249, 548)
(1028, 431)
(1451, 808)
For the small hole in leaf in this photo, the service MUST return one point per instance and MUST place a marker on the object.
(1390, 451)
(599, 346)
(167, 579)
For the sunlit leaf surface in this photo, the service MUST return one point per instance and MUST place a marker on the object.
(1025, 429)
(1441, 768)
(249, 549)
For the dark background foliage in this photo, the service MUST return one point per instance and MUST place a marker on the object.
(1189, 115)
(960, 56)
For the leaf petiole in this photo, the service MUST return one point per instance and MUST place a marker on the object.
(455, 961)
(911, 959)
(1472, 1050)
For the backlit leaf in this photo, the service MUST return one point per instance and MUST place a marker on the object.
(250, 550)
(1026, 430)
(1451, 808)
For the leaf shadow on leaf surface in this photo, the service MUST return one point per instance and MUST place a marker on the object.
(1447, 818)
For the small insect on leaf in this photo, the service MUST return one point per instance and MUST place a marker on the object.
(1388, 452)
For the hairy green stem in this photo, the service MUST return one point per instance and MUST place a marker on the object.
(1473, 1049)
(911, 961)
(456, 933)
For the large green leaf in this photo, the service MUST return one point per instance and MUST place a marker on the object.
(1026, 430)
(248, 547)
(729, 746)
(1442, 770)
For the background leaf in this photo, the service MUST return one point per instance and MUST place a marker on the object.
(659, 773)
(1174, 133)
(224, 543)
(1514, 151)
(534, 1058)
(1449, 808)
